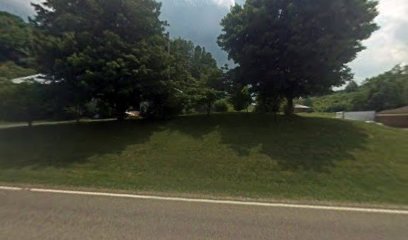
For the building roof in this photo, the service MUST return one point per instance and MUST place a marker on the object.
(402, 110)
(40, 78)
(298, 106)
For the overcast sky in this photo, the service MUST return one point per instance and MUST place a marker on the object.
(389, 45)
(386, 47)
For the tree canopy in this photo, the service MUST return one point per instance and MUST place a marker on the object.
(197, 75)
(106, 49)
(293, 48)
(15, 39)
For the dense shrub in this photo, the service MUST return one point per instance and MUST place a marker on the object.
(221, 106)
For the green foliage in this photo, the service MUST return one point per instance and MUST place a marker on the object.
(111, 50)
(15, 37)
(269, 104)
(115, 52)
(196, 75)
(22, 102)
(386, 91)
(9, 70)
(241, 99)
(334, 103)
(221, 106)
(241, 155)
(291, 48)
(308, 102)
(351, 87)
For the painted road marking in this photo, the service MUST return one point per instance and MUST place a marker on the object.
(195, 200)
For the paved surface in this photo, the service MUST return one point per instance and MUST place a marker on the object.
(45, 123)
(29, 215)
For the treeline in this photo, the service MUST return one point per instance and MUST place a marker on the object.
(103, 58)
(386, 91)
(107, 57)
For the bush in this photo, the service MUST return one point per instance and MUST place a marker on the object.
(22, 102)
(241, 99)
(221, 106)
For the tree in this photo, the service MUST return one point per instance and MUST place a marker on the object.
(196, 75)
(351, 87)
(294, 48)
(22, 102)
(221, 106)
(241, 99)
(15, 39)
(110, 50)
(387, 90)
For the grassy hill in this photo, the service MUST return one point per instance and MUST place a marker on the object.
(10, 70)
(246, 155)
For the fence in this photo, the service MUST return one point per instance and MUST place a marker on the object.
(357, 116)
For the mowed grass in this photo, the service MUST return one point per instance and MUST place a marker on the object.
(245, 155)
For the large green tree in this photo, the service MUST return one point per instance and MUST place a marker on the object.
(112, 50)
(196, 74)
(293, 48)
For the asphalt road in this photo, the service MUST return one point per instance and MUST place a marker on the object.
(29, 215)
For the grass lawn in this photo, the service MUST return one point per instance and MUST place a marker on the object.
(246, 155)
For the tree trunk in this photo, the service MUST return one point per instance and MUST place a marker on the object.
(78, 114)
(289, 109)
(209, 105)
(30, 123)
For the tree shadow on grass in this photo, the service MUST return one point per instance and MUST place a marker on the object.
(65, 144)
(298, 143)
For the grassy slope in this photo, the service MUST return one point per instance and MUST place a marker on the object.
(10, 70)
(233, 154)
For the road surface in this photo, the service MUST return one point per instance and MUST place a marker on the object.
(31, 215)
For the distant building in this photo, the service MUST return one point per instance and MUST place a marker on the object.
(302, 109)
(395, 117)
(39, 78)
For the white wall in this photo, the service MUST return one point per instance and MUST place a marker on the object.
(357, 116)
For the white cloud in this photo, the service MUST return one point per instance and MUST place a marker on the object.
(225, 3)
(222, 3)
(388, 46)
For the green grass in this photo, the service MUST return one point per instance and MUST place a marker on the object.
(246, 155)
(319, 115)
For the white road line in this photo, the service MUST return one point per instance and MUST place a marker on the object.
(10, 188)
(228, 202)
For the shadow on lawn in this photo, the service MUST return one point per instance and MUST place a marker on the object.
(65, 144)
(298, 143)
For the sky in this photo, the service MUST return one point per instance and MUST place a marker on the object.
(388, 46)
(198, 20)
